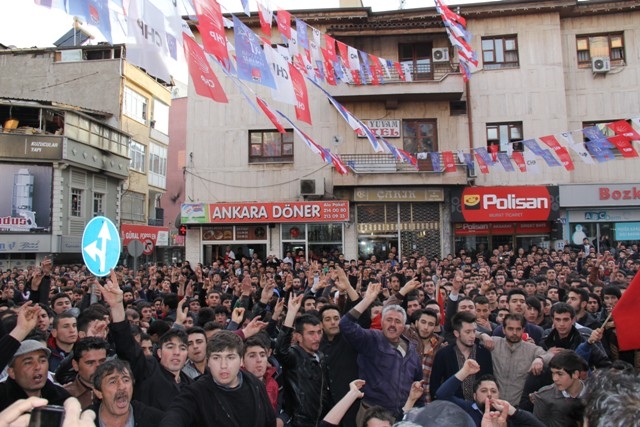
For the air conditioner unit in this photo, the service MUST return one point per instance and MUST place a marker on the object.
(600, 64)
(440, 54)
(312, 187)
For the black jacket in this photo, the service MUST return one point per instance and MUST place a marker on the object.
(143, 415)
(155, 386)
(306, 388)
(598, 358)
(205, 404)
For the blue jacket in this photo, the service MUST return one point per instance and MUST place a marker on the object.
(388, 375)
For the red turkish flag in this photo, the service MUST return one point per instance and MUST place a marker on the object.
(211, 28)
(518, 157)
(627, 316)
(266, 17)
(624, 146)
(302, 98)
(204, 80)
(284, 23)
(449, 162)
(330, 44)
(344, 53)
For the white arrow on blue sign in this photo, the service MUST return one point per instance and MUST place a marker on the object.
(100, 246)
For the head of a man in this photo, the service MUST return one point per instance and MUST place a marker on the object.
(172, 350)
(513, 327)
(466, 304)
(578, 298)
(482, 309)
(256, 353)
(308, 332)
(224, 358)
(65, 329)
(393, 320)
(610, 296)
(564, 317)
(485, 387)
(113, 384)
(566, 368)
(60, 303)
(330, 315)
(214, 298)
(533, 310)
(517, 301)
(424, 321)
(196, 344)
(88, 354)
(29, 367)
(463, 324)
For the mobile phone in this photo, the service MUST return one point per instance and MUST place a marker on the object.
(47, 416)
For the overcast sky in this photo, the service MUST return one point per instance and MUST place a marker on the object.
(24, 24)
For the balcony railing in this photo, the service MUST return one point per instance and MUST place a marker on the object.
(386, 163)
(434, 71)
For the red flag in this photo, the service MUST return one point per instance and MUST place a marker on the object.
(211, 28)
(266, 18)
(204, 80)
(481, 163)
(376, 69)
(441, 305)
(302, 99)
(330, 44)
(330, 74)
(344, 53)
(518, 157)
(398, 67)
(449, 162)
(265, 107)
(551, 141)
(565, 158)
(284, 23)
(624, 146)
(622, 127)
(627, 316)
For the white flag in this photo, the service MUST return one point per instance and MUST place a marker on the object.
(280, 70)
(147, 40)
(531, 161)
(293, 43)
(354, 58)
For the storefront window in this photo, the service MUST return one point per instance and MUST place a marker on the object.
(318, 241)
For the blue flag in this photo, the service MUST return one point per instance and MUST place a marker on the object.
(94, 12)
(303, 37)
(548, 157)
(506, 162)
(251, 60)
(532, 145)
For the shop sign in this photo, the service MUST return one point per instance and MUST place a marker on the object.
(277, 212)
(25, 243)
(600, 195)
(506, 228)
(505, 204)
(26, 195)
(604, 215)
(148, 235)
(383, 128)
(384, 194)
(627, 231)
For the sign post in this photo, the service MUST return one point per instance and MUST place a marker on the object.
(100, 246)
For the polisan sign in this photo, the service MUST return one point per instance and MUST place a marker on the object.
(500, 204)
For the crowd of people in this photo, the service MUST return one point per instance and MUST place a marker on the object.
(501, 338)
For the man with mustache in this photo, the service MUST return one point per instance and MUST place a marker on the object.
(113, 385)
(387, 361)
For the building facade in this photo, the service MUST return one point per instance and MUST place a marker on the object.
(556, 67)
(126, 105)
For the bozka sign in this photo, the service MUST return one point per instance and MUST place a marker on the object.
(500, 204)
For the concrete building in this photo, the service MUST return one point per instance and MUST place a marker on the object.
(546, 67)
(131, 105)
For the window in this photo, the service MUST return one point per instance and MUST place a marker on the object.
(270, 147)
(134, 105)
(98, 204)
(76, 202)
(137, 153)
(132, 206)
(157, 166)
(603, 45)
(503, 134)
(418, 57)
(500, 52)
(419, 136)
(160, 120)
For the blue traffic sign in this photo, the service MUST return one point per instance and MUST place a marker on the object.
(100, 246)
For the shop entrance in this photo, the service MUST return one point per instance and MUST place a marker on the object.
(378, 245)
